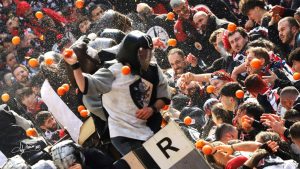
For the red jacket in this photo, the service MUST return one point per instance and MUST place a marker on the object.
(179, 29)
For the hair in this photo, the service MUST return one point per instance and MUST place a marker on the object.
(292, 21)
(240, 30)
(265, 136)
(246, 5)
(145, 9)
(292, 115)
(176, 3)
(260, 53)
(213, 36)
(229, 89)
(209, 104)
(252, 109)
(294, 55)
(5, 54)
(41, 117)
(261, 42)
(254, 83)
(176, 50)
(17, 66)
(290, 92)
(222, 130)
(295, 130)
(23, 92)
(220, 113)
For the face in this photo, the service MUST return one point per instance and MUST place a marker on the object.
(177, 63)
(9, 46)
(12, 23)
(231, 135)
(237, 42)
(182, 11)
(84, 26)
(218, 84)
(227, 102)
(30, 101)
(145, 56)
(97, 13)
(254, 15)
(201, 21)
(215, 120)
(285, 32)
(6, 3)
(287, 103)
(190, 89)
(8, 79)
(21, 75)
(50, 124)
(296, 65)
(11, 60)
(296, 141)
(237, 120)
(250, 57)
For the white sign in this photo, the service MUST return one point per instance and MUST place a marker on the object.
(3, 159)
(61, 111)
(168, 146)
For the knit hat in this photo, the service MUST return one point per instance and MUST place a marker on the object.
(22, 7)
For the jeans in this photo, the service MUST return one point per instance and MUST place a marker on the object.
(124, 145)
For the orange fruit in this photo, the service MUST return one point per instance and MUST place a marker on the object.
(166, 107)
(84, 113)
(199, 144)
(16, 40)
(207, 149)
(79, 4)
(231, 27)
(39, 15)
(210, 89)
(163, 123)
(296, 76)
(187, 120)
(49, 61)
(61, 91)
(80, 108)
(170, 16)
(239, 94)
(68, 53)
(126, 70)
(66, 86)
(5, 97)
(31, 132)
(255, 63)
(42, 37)
(172, 42)
(33, 62)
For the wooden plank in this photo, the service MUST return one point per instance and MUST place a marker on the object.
(86, 130)
(133, 161)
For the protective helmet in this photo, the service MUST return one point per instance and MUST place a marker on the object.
(128, 49)
(66, 153)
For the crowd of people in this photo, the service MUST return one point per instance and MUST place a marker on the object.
(232, 66)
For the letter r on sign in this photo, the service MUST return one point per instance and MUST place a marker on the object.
(164, 149)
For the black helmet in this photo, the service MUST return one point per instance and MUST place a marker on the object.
(128, 50)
